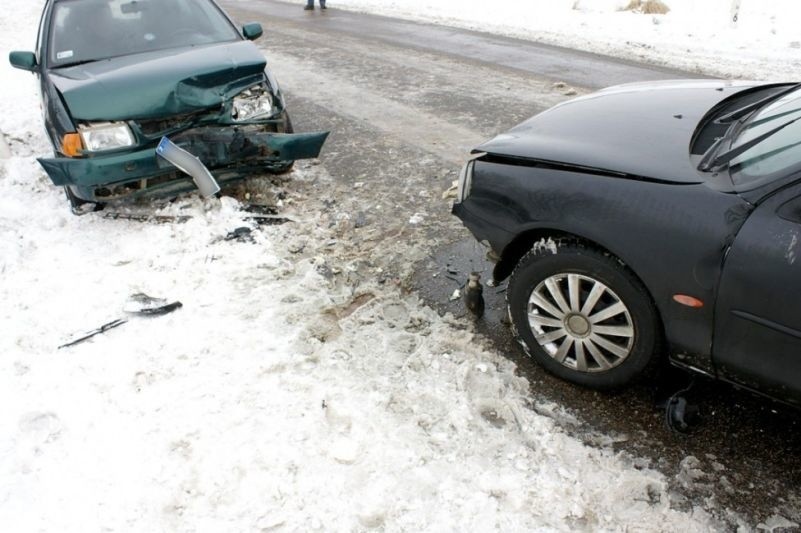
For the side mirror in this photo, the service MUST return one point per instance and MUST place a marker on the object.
(23, 60)
(252, 31)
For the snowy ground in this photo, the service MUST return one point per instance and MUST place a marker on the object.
(696, 35)
(281, 397)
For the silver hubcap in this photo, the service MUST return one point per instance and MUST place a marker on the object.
(580, 322)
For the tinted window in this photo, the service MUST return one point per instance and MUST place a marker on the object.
(84, 30)
(779, 153)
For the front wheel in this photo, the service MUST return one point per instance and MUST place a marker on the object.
(582, 315)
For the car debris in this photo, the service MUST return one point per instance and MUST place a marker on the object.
(681, 416)
(139, 304)
(261, 215)
(473, 296)
(189, 164)
(240, 234)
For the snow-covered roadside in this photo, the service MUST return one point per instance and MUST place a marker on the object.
(276, 399)
(697, 36)
(269, 399)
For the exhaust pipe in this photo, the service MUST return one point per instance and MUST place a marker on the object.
(189, 164)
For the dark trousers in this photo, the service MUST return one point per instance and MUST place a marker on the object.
(311, 3)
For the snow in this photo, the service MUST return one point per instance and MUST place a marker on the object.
(275, 399)
(696, 36)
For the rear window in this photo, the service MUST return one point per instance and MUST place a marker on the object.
(87, 30)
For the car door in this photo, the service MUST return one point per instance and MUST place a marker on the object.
(757, 340)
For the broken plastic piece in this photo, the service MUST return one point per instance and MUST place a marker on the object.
(89, 334)
(138, 304)
(473, 295)
(682, 416)
(189, 164)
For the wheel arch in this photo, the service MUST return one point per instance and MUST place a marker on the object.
(525, 241)
(542, 242)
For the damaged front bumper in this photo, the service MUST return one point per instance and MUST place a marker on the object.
(228, 152)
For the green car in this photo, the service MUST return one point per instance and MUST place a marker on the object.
(156, 96)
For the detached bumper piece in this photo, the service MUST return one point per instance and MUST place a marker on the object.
(222, 146)
(224, 152)
(189, 164)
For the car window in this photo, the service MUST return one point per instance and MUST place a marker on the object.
(781, 152)
(86, 30)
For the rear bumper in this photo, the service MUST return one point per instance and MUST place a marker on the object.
(226, 151)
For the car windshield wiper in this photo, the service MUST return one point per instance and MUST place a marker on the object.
(726, 157)
(76, 63)
(712, 151)
(753, 106)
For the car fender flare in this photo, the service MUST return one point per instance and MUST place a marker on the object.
(528, 235)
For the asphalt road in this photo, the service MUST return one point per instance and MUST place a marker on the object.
(405, 103)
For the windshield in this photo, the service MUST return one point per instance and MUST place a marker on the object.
(778, 153)
(88, 30)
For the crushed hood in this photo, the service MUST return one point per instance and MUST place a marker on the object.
(158, 84)
(642, 129)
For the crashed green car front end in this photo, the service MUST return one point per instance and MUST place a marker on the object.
(218, 102)
(230, 147)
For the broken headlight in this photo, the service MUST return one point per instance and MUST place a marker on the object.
(465, 182)
(253, 103)
(101, 136)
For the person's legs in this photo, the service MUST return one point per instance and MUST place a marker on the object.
(322, 4)
(309, 4)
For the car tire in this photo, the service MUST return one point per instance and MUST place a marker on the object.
(282, 167)
(582, 315)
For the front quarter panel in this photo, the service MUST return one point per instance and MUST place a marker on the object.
(57, 120)
(673, 237)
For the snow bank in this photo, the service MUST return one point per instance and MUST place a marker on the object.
(697, 36)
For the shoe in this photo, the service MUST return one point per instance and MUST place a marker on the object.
(308, 8)
(323, 7)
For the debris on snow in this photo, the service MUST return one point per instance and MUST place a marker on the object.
(137, 304)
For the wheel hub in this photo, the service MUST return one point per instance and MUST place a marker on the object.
(577, 325)
(580, 322)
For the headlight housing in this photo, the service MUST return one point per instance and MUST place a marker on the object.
(253, 103)
(465, 182)
(102, 136)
